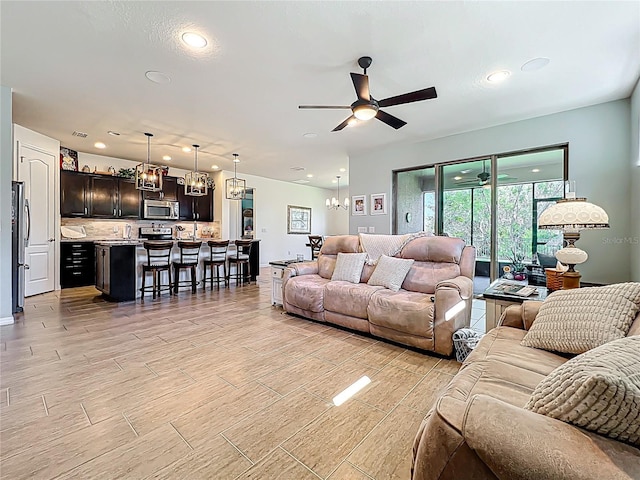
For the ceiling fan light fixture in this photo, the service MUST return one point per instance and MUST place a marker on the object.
(365, 112)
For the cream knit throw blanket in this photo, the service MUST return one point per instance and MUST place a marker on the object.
(389, 245)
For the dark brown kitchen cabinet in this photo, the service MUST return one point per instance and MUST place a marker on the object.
(168, 192)
(195, 208)
(77, 264)
(128, 199)
(98, 196)
(75, 194)
(104, 190)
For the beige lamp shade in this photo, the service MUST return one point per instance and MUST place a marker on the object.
(573, 214)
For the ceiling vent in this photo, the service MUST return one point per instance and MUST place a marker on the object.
(301, 181)
(298, 169)
(80, 134)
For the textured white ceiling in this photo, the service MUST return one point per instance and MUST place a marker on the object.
(81, 66)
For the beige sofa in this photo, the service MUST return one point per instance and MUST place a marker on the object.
(421, 314)
(478, 428)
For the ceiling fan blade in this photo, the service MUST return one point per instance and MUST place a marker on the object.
(417, 96)
(323, 106)
(361, 84)
(390, 120)
(343, 124)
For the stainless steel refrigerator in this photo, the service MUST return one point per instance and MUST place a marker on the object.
(19, 237)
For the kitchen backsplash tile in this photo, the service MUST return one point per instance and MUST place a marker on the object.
(109, 229)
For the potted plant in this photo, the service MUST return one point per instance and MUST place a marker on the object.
(518, 268)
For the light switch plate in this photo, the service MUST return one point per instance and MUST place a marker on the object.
(372, 229)
(362, 229)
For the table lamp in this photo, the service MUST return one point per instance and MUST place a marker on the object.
(572, 215)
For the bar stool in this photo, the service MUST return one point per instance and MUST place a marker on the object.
(218, 258)
(189, 254)
(241, 258)
(158, 260)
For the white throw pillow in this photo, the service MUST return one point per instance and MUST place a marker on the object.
(349, 267)
(598, 391)
(390, 272)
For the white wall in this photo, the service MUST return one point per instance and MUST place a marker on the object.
(338, 220)
(271, 198)
(635, 182)
(5, 205)
(599, 139)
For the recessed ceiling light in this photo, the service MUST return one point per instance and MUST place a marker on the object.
(464, 171)
(186, 149)
(99, 145)
(497, 77)
(457, 178)
(214, 167)
(194, 40)
(112, 133)
(343, 169)
(334, 181)
(309, 175)
(166, 158)
(157, 77)
(535, 170)
(535, 64)
(310, 135)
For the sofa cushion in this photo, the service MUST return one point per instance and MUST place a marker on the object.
(404, 311)
(390, 272)
(331, 247)
(434, 249)
(348, 298)
(349, 267)
(306, 292)
(598, 391)
(577, 320)
(424, 276)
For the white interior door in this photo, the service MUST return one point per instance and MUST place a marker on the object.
(37, 170)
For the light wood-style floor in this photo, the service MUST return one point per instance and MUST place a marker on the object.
(219, 385)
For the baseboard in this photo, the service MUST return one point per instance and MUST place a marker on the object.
(6, 320)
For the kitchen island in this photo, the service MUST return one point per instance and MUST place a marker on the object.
(119, 265)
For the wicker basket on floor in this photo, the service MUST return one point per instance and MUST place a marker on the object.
(554, 279)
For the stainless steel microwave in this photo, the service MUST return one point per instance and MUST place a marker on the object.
(161, 210)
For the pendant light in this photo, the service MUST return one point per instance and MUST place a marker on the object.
(195, 183)
(235, 188)
(148, 176)
(334, 203)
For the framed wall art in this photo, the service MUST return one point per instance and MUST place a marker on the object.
(298, 220)
(378, 204)
(358, 205)
(68, 159)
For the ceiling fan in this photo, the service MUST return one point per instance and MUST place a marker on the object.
(366, 107)
(484, 177)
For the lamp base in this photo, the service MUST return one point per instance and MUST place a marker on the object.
(571, 280)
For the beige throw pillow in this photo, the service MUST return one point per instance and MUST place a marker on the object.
(390, 272)
(598, 391)
(349, 267)
(577, 320)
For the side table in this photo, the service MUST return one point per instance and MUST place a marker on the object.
(497, 300)
(277, 270)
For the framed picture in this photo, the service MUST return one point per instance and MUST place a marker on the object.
(378, 204)
(68, 159)
(358, 205)
(298, 220)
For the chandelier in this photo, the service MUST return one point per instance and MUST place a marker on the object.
(195, 182)
(235, 187)
(334, 203)
(148, 176)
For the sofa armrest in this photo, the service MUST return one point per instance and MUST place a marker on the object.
(297, 269)
(518, 444)
(520, 316)
(452, 311)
